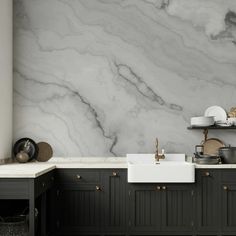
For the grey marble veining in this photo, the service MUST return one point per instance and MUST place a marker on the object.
(105, 77)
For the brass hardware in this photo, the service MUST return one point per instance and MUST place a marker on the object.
(225, 188)
(207, 174)
(98, 188)
(157, 155)
(158, 188)
(78, 176)
(43, 184)
(164, 187)
(114, 173)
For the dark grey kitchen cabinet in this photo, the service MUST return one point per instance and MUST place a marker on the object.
(208, 202)
(88, 201)
(144, 208)
(113, 202)
(35, 193)
(78, 209)
(101, 202)
(159, 208)
(177, 202)
(78, 201)
(228, 200)
(228, 207)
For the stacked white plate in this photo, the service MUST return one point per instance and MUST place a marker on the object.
(213, 115)
(202, 121)
(218, 112)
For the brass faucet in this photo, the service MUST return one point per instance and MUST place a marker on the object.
(157, 155)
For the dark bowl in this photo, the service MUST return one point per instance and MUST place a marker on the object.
(33, 148)
(228, 155)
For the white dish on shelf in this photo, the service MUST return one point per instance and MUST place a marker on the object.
(218, 112)
(224, 125)
(232, 120)
(202, 121)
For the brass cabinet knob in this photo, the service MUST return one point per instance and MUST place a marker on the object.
(98, 188)
(207, 173)
(114, 173)
(78, 177)
(158, 188)
(164, 187)
(225, 188)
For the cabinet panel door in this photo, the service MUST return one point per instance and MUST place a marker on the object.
(208, 200)
(177, 207)
(229, 207)
(78, 209)
(145, 210)
(114, 200)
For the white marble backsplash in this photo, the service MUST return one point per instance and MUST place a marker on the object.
(105, 77)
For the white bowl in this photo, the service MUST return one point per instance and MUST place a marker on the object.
(202, 121)
(231, 120)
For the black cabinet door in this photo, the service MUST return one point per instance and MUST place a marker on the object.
(228, 207)
(177, 207)
(78, 209)
(144, 207)
(208, 208)
(114, 196)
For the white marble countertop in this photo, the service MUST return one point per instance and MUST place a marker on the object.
(219, 166)
(89, 162)
(28, 170)
(35, 169)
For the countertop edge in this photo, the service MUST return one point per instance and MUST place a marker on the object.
(40, 168)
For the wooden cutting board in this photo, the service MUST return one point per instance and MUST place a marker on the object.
(45, 151)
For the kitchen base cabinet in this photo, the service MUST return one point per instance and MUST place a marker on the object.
(208, 205)
(78, 209)
(77, 206)
(161, 208)
(113, 200)
(90, 201)
(228, 207)
(100, 202)
(31, 193)
(177, 207)
(144, 208)
(228, 196)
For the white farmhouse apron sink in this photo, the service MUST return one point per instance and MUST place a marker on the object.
(142, 168)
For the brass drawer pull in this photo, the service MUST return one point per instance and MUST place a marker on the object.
(114, 173)
(98, 188)
(158, 188)
(225, 188)
(78, 177)
(164, 187)
(207, 173)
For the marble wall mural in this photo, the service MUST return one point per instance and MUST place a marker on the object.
(105, 77)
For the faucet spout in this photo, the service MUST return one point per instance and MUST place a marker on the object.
(158, 156)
